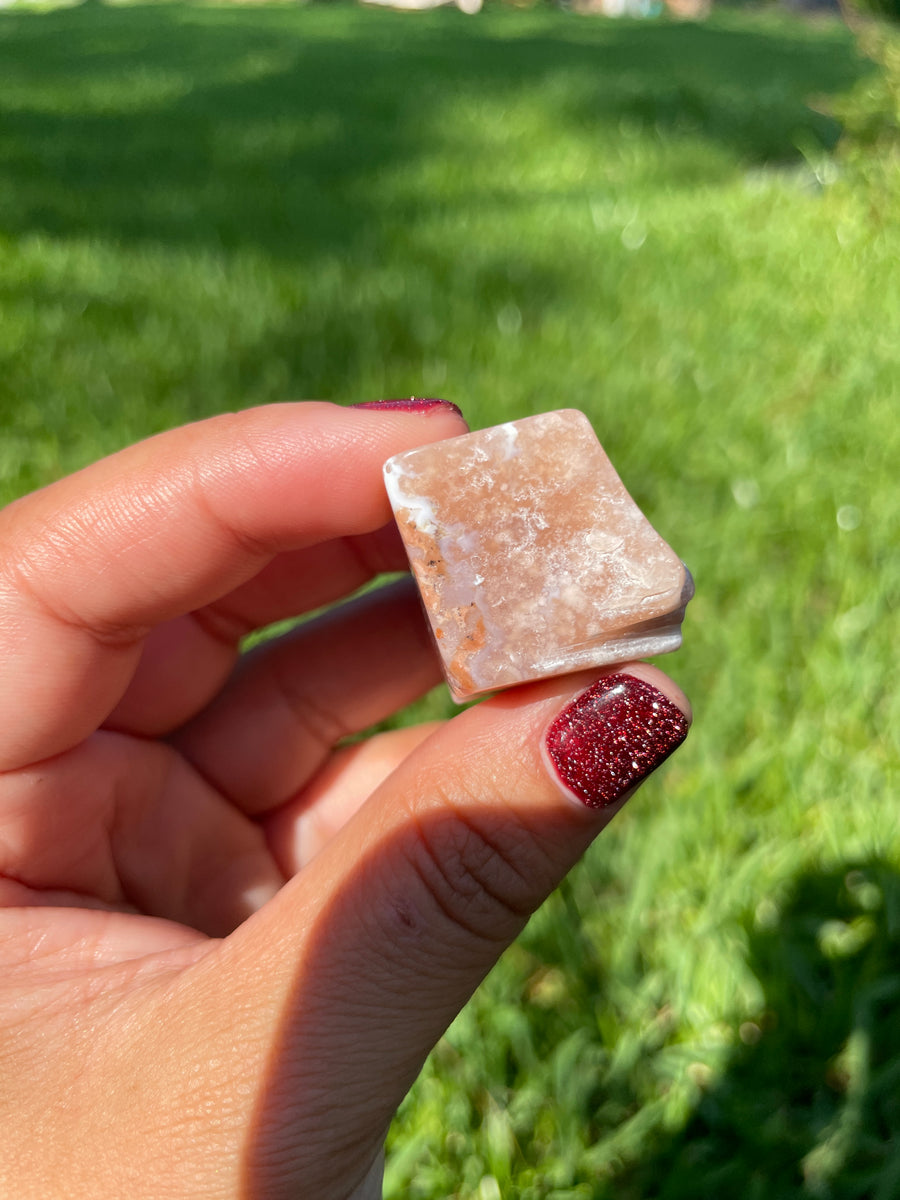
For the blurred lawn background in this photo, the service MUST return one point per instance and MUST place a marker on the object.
(203, 208)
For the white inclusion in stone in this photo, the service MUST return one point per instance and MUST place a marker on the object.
(601, 542)
(420, 509)
(510, 438)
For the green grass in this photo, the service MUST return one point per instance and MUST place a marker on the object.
(203, 208)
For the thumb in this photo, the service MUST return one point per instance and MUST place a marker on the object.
(349, 976)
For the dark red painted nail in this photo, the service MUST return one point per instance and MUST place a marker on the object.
(612, 736)
(414, 404)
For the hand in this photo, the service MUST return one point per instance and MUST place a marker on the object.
(227, 941)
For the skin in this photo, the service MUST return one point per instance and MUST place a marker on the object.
(227, 943)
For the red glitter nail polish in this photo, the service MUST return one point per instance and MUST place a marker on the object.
(414, 404)
(612, 736)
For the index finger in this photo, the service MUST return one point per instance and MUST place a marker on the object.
(89, 565)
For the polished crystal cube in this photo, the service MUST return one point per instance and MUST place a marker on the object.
(531, 557)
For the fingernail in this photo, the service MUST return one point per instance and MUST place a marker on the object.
(414, 404)
(612, 736)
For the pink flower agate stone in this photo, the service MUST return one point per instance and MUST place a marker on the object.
(531, 557)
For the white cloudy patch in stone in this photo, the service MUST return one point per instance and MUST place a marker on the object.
(420, 509)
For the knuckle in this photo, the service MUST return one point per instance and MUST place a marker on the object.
(320, 724)
(35, 575)
(476, 879)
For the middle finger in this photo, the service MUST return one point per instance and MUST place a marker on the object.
(292, 700)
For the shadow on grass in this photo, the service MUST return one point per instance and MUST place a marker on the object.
(811, 1106)
(808, 1107)
(267, 128)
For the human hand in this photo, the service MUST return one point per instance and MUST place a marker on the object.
(228, 942)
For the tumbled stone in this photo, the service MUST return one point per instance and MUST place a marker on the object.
(531, 557)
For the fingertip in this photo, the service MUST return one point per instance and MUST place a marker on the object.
(662, 682)
(613, 734)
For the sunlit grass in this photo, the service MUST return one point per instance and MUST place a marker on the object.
(204, 208)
